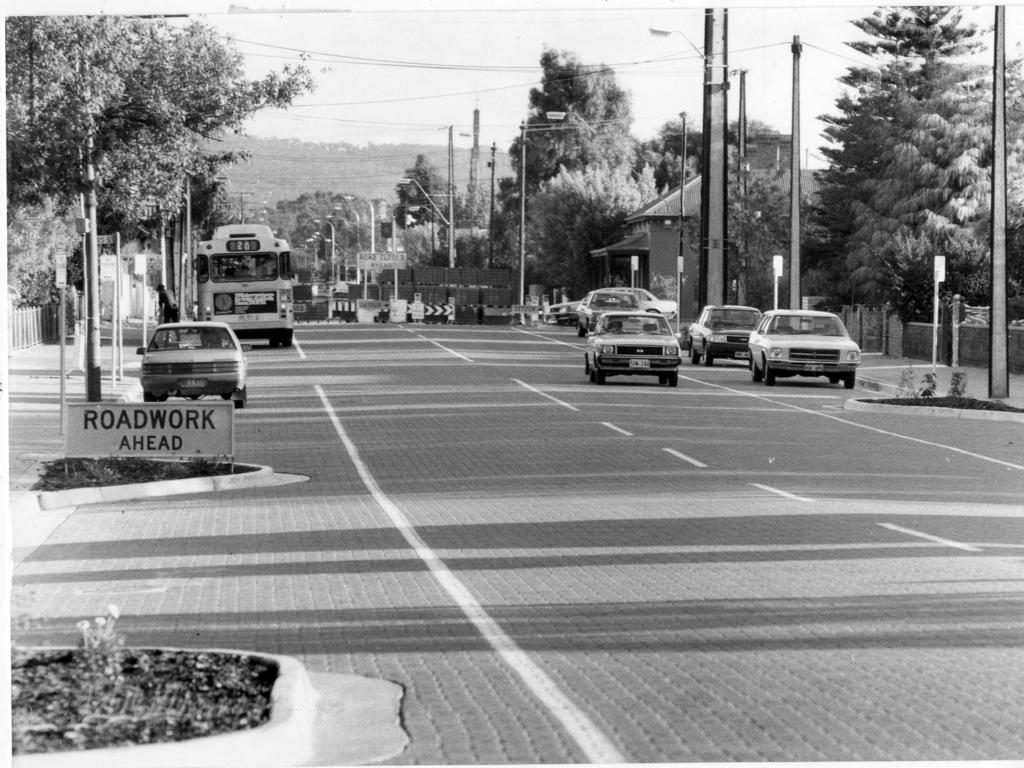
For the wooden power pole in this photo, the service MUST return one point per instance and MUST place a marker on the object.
(998, 370)
(714, 174)
(794, 184)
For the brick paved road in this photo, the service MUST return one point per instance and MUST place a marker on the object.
(790, 583)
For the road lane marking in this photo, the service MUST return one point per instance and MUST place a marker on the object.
(594, 744)
(298, 347)
(785, 494)
(545, 394)
(617, 429)
(684, 457)
(929, 537)
(877, 430)
(438, 344)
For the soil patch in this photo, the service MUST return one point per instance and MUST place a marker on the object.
(965, 403)
(76, 699)
(63, 474)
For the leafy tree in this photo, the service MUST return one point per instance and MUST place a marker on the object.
(911, 263)
(35, 233)
(136, 98)
(578, 211)
(909, 145)
(663, 152)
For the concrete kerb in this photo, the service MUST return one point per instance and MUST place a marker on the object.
(887, 389)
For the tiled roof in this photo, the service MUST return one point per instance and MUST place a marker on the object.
(639, 242)
(667, 205)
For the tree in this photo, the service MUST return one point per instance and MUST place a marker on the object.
(663, 152)
(136, 98)
(909, 145)
(578, 211)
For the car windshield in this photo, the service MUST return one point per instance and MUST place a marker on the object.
(635, 326)
(734, 318)
(807, 324)
(614, 301)
(191, 338)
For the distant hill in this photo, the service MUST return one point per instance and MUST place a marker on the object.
(284, 169)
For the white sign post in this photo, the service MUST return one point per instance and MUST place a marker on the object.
(777, 266)
(679, 290)
(634, 265)
(940, 277)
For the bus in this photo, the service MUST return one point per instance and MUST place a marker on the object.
(244, 278)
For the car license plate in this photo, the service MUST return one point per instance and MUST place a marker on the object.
(742, 355)
(814, 367)
(191, 383)
(639, 363)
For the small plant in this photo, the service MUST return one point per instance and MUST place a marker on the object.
(905, 382)
(958, 384)
(928, 386)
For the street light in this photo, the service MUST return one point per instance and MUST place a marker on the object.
(447, 222)
(334, 271)
(523, 127)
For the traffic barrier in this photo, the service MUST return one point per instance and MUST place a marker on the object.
(344, 309)
(468, 314)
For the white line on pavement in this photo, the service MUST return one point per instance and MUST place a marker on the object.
(545, 394)
(785, 494)
(439, 345)
(298, 347)
(684, 457)
(595, 745)
(929, 537)
(617, 429)
(851, 423)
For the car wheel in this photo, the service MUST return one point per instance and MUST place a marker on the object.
(673, 379)
(769, 375)
(593, 376)
(600, 376)
(708, 358)
(694, 355)
(833, 379)
(755, 373)
(580, 331)
(586, 365)
(148, 397)
(850, 380)
(240, 402)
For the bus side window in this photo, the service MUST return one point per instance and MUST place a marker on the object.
(202, 268)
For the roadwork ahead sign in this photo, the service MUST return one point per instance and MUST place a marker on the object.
(168, 430)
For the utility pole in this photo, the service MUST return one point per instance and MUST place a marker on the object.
(741, 178)
(682, 213)
(93, 375)
(451, 200)
(490, 221)
(794, 184)
(998, 371)
(714, 175)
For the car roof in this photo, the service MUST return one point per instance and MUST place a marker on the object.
(195, 324)
(731, 306)
(636, 313)
(801, 312)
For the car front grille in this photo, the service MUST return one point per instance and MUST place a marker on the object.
(735, 339)
(188, 369)
(640, 349)
(814, 355)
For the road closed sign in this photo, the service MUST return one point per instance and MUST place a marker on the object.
(168, 430)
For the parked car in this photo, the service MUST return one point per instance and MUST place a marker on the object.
(595, 303)
(651, 303)
(722, 332)
(194, 359)
(633, 344)
(563, 313)
(788, 342)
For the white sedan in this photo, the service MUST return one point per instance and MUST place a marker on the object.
(651, 303)
(790, 342)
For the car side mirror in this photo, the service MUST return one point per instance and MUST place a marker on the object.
(140, 350)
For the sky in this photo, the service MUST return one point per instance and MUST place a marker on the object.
(402, 72)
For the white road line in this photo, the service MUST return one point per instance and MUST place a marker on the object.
(782, 493)
(684, 457)
(545, 394)
(595, 745)
(877, 430)
(437, 344)
(617, 429)
(929, 537)
(298, 347)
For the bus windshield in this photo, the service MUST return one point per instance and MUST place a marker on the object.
(231, 267)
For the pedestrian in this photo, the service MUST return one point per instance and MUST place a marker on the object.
(167, 306)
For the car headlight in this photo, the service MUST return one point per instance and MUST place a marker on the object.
(607, 349)
(775, 353)
(719, 337)
(853, 356)
(671, 351)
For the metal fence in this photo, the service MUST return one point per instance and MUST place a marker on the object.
(32, 325)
